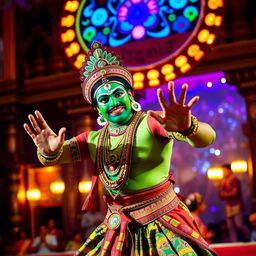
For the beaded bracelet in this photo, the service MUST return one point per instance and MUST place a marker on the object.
(191, 130)
(48, 161)
(51, 157)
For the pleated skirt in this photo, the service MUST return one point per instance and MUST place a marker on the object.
(152, 239)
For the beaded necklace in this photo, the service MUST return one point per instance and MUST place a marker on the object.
(113, 167)
(116, 131)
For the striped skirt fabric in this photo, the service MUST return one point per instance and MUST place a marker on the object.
(152, 239)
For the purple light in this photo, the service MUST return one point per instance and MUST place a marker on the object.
(138, 32)
(223, 108)
(213, 209)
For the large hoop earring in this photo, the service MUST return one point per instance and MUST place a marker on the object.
(101, 120)
(135, 105)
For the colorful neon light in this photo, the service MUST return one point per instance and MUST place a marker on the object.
(127, 24)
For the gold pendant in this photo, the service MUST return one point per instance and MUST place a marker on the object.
(114, 220)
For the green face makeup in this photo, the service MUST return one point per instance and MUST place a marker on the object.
(114, 103)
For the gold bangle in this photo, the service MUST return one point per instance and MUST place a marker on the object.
(49, 161)
(195, 124)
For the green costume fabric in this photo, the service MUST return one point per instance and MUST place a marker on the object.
(152, 150)
(151, 155)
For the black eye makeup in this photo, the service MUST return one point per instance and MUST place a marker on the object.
(103, 99)
(119, 93)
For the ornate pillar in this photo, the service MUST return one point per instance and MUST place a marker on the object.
(10, 152)
(9, 68)
(11, 166)
(245, 81)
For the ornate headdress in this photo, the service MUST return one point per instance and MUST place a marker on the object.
(99, 66)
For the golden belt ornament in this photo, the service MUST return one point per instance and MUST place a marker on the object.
(143, 212)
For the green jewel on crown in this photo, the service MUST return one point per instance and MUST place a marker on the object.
(95, 44)
(100, 64)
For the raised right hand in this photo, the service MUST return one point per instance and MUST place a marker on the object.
(43, 136)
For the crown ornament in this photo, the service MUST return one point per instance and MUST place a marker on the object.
(99, 66)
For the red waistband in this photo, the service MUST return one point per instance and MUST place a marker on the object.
(138, 196)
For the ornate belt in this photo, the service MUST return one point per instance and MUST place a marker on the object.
(143, 212)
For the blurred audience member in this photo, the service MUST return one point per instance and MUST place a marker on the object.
(90, 220)
(224, 231)
(214, 229)
(23, 244)
(196, 205)
(252, 219)
(44, 243)
(75, 244)
(53, 230)
(229, 190)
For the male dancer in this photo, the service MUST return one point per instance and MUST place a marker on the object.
(131, 155)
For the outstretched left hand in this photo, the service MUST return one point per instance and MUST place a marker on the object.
(176, 116)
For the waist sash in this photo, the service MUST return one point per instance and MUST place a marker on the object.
(146, 211)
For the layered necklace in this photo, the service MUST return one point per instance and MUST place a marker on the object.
(114, 163)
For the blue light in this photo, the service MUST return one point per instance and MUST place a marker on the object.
(100, 38)
(181, 24)
(99, 17)
(88, 11)
(86, 22)
(151, 21)
(177, 4)
(212, 150)
(220, 110)
(205, 166)
(125, 26)
(211, 113)
(206, 154)
(230, 120)
(137, 14)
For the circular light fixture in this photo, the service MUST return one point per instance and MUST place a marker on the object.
(239, 166)
(84, 186)
(215, 173)
(158, 40)
(57, 187)
(33, 194)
